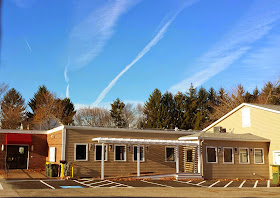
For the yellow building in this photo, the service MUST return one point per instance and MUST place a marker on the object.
(258, 119)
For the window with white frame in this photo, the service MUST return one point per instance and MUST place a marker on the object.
(142, 158)
(259, 157)
(81, 152)
(169, 154)
(243, 156)
(228, 155)
(211, 154)
(120, 153)
(98, 152)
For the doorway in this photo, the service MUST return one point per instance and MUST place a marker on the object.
(17, 156)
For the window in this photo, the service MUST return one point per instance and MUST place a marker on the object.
(81, 152)
(120, 153)
(169, 154)
(246, 120)
(211, 154)
(98, 152)
(243, 156)
(228, 155)
(142, 159)
(189, 155)
(259, 158)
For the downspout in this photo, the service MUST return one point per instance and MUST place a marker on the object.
(201, 159)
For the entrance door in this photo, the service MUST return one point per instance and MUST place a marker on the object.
(17, 156)
(276, 157)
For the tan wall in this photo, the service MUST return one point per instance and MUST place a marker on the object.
(263, 123)
(55, 140)
(232, 171)
(154, 157)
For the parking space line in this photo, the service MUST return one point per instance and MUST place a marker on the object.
(242, 184)
(256, 183)
(156, 183)
(1, 187)
(48, 185)
(188, 182)
(213, 184)
(228, 184)
(268, 183)
(97, 182)
(201, 183)
(104, 184)
(120, 184)
(82, 183)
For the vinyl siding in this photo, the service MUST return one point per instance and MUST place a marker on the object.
(235, 171)
(263, 123)
(154, 157)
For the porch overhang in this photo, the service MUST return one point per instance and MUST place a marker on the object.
(145, 141)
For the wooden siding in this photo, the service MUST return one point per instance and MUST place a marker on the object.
(263, 123)
(55, 140)
(154, 156)
(232, 171)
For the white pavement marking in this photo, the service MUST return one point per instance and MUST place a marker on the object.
(1, 187)
(200, 183)
(83, 183)
(242, 184)
(256, 183)
(228, 184)
(109, 183)
(97, 182)
(120, 184)
(213, 184)
(268, 183)
(188, 182)
(156, 183)
(48, 185)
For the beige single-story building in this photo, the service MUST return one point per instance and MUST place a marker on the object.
(115, 152)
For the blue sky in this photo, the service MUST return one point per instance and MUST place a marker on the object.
(95, 51)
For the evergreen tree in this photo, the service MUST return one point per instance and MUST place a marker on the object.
(152, 110)
(12, 110)
(202, 109)
(66, 111)
(167, 111)
(181, 113)
(191, 106)
(117, 108)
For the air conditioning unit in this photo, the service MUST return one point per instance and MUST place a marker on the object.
(217, 129)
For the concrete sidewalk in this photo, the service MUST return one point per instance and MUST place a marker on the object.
(25, 174)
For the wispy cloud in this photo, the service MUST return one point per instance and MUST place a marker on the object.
(88, 38)
(66, 78)
(254, 26)
(67, 91)
(27, 43)
(153, 42)
(23, 3)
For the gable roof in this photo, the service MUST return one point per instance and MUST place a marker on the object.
(248, 137)
(271, 108)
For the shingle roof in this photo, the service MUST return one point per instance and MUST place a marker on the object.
(272, 107)
(226, 136)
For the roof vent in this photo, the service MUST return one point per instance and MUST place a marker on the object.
(220, 130)
(176, 129)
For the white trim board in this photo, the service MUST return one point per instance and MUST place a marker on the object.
(236, 109)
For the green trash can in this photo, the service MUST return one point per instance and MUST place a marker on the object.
(48, 169)
(275, 174)
(53, 170)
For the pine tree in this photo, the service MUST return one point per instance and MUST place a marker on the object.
(191, 105)
(117, 108)
(12, 110)
(167, 111)
(152, 110)
(181, 113)
(66, 111)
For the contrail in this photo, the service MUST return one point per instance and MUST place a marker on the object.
(28, 45)
(66, 78)
(153, 42)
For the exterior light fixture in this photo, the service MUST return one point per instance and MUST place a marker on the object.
(32, 147)
(2, 147)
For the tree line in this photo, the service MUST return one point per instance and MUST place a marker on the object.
(44, 111)
(195, 109)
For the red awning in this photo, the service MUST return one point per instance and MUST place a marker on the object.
(18, 138)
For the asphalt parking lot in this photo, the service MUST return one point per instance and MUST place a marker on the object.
(94, 183)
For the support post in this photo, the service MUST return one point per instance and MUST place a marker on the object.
(102, 161)
(199, 158)
(138, 160)
(177, 159)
